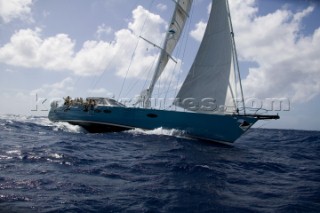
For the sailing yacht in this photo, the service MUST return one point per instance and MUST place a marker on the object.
(207, 104)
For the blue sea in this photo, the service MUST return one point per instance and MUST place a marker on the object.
(57, 167)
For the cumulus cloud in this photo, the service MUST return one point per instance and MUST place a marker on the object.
(200, 27)
(198, 32)
(47, 93)
(15, 9)
(100, 92)
(55, 90)
(287, 60)
(146, 24)
(288, 64)
(92, 59)
(103, 30)
(27, 48)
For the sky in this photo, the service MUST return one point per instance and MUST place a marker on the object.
(53, 48)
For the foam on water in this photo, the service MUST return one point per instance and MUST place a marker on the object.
(14, 152)
(42, 121)
(66, 127)
(157, 131)
(60, 171)
(58, 126)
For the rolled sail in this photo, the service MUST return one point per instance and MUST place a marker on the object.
(173, 34)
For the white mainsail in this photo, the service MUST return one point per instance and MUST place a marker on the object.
(173, 34)
(210, 84)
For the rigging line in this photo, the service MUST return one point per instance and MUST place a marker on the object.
(158, 76)
(131, 88)
(146, 79)
(184, 50)
(136, 82)
(95, 81)
(149, 72)
(236, 58)
(179, 50)
(171, 79)
(77, 81)
(163, 92)
(99, 77)
(174, 69)
(160, 67)
(159, 84)
(133, 54)
(125, 78)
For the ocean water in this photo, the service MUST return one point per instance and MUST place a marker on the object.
(56, 167)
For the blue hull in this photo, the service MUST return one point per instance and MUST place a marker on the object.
(219, 128)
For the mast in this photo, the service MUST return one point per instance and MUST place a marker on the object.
(178, 20)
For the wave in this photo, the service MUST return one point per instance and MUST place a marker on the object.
(66, 127)
(41, 121)
(157, 131)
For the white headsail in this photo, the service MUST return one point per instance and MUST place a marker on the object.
(173, 34)
(210, 84)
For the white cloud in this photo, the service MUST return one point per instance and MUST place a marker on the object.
(27, 48)
(55, 90)
(15, 9)
(103, 30)
(37, 101)
(12, 100)
(100, 92)
(200, 27)
(198, 32)
(287, 60)
(134, 59)
(171, 72)
(92, 59)
(146, 24)
(161, 7)
(209, 7)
